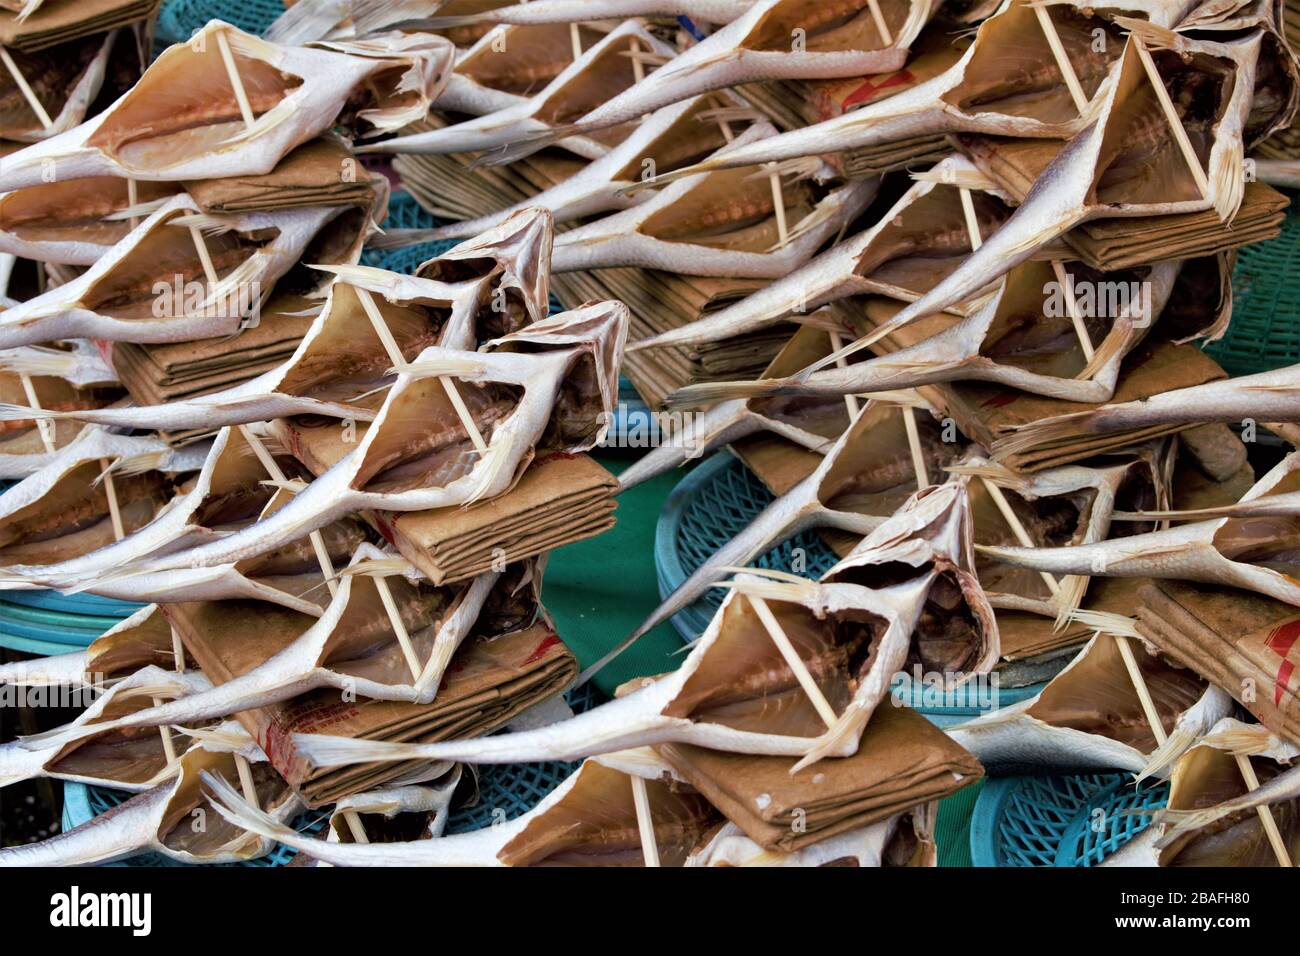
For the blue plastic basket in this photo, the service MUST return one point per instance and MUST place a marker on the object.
(178, 19)
(706, 509)
(1063, 820)
(962, 703)
(505, 791)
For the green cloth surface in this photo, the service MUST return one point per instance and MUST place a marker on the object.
(599, 590)
(952, 828)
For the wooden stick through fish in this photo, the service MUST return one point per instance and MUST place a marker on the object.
(644, 822)
(278, 476)
(850, 401)
(399, 628)
(44, 427)
(205, 257)
(792, 658)
(1018, 529)
(1265, 814)
(246, 779)
(1243, 762)
(395, 356)
(1143, 692)
(110, 490)
(236, 81)
(1062, 61)
(353, 820)
(575, 38)
(178, 652)
(878, 17)
(25, 89)
(914, 444)
(1072, 307)
(1171, 114)
(132, 197)
(165, 732)
(778, 205)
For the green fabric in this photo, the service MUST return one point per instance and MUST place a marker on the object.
(599, 590)
(952, 828)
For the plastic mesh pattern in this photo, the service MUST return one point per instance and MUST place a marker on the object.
(1065, 820)
(178, 19)
(1265, 329)
(719, 499)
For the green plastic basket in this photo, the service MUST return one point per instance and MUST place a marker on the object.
(707, 508)
(178, 19)
(1054, 820)
(505, 791)
(1265, 329)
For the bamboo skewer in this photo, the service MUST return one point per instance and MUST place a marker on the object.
(645, 824)
(246, 779)
(165, 732)
(575, 38)
(792, 658)
(778, 206)
(25, 89)
(1265, 814)
(110, 490)
(178, 652)
(353, 820)
(878, 17)
(236, 81)
(395, 356)
(1072, 307)
(1062, 61)
(205, 257)
(914, 444)
(44, 427)
(132, 198)
(1143, 692)
(1171, 114)
(399, 627)
(1018, 529)
(850, 401)
(278, 476)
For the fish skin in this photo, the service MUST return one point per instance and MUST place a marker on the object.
(721, 60)
(1010, 737)
(329, 76)
(171, 527)
(578, 11)
(520, 120)
(1187, 551)
(640, 718)
(59, 312)
(135, 827)
(721, 425)
(953, 355)
(1265, 396)
(331, 496)
(300, 667)
(825, 278)
(1058, 200)
(475, 848)
(588, 192)
(617, 241)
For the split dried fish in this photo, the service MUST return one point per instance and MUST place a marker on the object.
(183, 121)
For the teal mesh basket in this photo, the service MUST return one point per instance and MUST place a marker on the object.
(405, 213)
(1265, 329)
(708, 508)
(505, 791)
(178, 19)
(1054, 820)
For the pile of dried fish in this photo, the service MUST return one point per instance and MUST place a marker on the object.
(936, 272)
